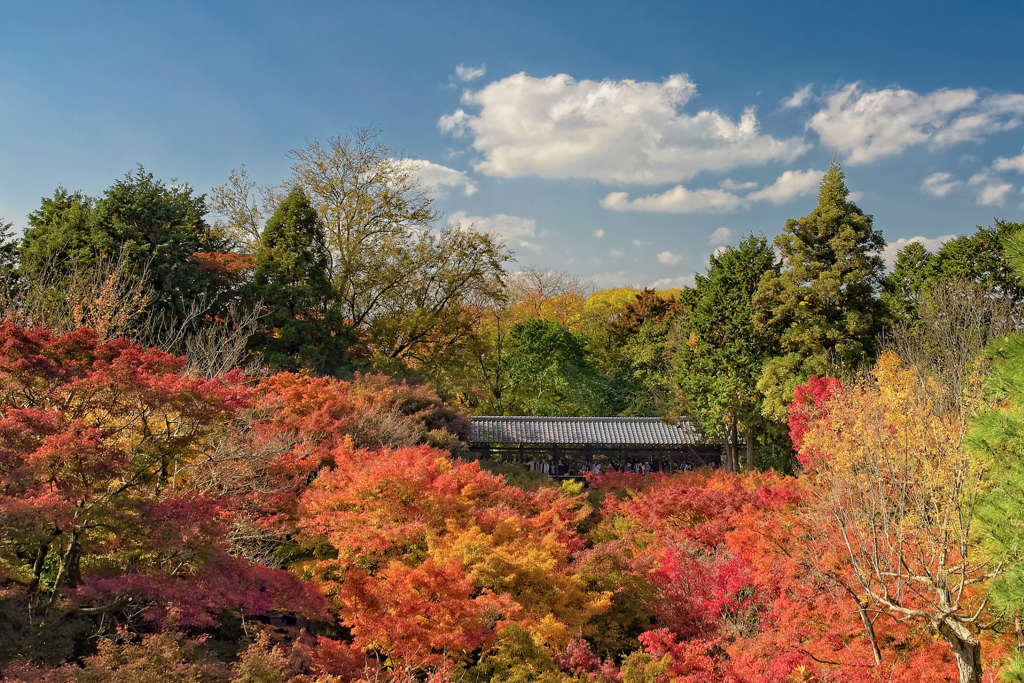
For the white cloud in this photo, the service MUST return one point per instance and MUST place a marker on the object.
(789, 185)
(615, 253)
(871, 124)
(798, 98)
(673, 282)
(1012, 164)
(640, 245)
(517, 232)
(681, 200)
(599, 233)
(468, 73)
(676, 200)
(611, 131)
(730, 184)
(436, 176)
(668, 258)
(939, 184)
(993, 190)
(855, 196)
(932, 244)
(720, 236)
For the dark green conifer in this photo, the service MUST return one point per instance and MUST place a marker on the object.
(302, 329)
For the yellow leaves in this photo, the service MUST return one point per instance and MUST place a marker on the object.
(514, 559)
(894, 456)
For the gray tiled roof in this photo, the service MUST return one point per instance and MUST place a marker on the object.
(634, 431)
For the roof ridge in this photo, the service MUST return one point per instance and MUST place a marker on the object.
(567, 418)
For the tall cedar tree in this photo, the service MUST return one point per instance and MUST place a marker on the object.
(718, 366)
(302, 328)
(825, 301)
(140, 217)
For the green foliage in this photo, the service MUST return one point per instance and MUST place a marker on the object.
(1013, 671)
(549, 372)
(138, 217)
(824, 300)
(515, 658)
(998, 434)
(302, 328)
(641, 667)
(981, 258)
(721, 353)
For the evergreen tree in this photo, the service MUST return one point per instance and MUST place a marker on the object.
(302, 328)
(825, 300)
(997, 434)
(977, 258)
(722, 353)
(140, 218)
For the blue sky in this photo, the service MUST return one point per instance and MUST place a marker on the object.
(619, 141)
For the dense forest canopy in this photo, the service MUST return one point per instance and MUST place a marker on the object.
(233, 446)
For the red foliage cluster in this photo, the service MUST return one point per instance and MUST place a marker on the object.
(809, 403)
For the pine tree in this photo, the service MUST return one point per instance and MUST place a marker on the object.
(997, 434)
(302, 328)
(825, 300)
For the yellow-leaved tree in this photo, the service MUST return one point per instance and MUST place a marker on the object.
(898, 489)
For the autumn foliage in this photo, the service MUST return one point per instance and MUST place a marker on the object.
(159, 526)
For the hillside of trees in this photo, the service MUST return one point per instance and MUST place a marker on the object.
(233, 447)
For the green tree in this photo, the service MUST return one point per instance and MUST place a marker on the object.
(138, 218)
(978, 258)
(825, 299)
(403, 285)
(302, 328)
(549, 372)
(722, 353)
(997, 433)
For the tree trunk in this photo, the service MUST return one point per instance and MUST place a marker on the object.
(966, 650)
(734, 436)
(751, 439)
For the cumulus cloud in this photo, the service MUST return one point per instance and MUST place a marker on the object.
(789, 185)
(599, 233)
(939, 184)
(932, 244)
(640, 244)
(730, 184)
(436, 177)
(798, 98)
(668, 258)
(1012, 164)
(673, 282)
(612, 131)
(468, 73)
(991, 190)
(720, 236)
(676, 200)
(615, 253)
(517, 232)
(871, 124)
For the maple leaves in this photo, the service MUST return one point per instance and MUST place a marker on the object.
(432, 554)
(129, 489)
(97, 441)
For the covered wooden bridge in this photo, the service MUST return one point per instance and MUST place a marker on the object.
(571, 445)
